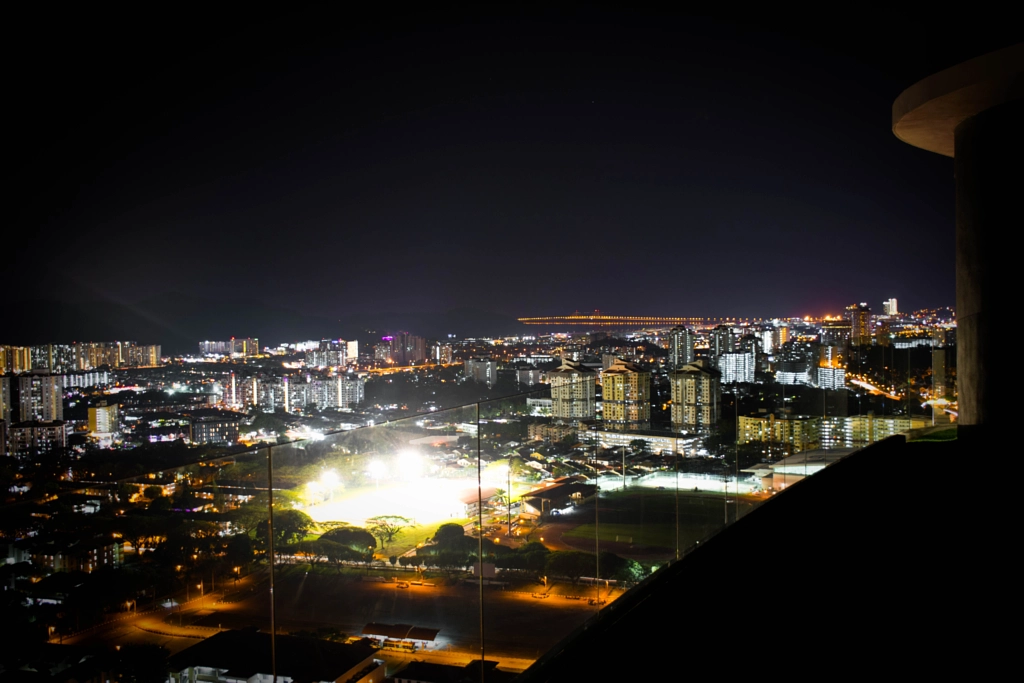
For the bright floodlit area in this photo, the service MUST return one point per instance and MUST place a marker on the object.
(423, 501)
(706, 483)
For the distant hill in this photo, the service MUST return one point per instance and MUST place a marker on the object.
(180, 321)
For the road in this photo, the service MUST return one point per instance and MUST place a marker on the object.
(520, 627)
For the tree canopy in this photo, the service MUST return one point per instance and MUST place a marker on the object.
(449, 533)
(572, 564)
(289, 526)
(352, 537)
(387, 528)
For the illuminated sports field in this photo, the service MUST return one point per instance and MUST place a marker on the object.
(424, 501)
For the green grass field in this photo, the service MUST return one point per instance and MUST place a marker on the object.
(646, 519)
(659, 535)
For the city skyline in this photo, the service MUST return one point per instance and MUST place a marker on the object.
(178, 327)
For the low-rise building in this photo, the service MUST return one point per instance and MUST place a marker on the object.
(245, 655)
(793, 433)
(656, 442)
(71, 552)
(549, 431)
(222, 428)
(555, 495)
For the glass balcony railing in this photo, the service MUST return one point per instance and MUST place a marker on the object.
(484, 532)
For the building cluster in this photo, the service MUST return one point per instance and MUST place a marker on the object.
(295, 393)
(60, 359)
(68, 552)
(31, 413)
(792, 434)
(600, 382)
(232, 348)
(35, 379)
(401, 348)
(626, 396)
(329, 353)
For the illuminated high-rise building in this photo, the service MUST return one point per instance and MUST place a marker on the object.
(246, 348)
(6, 401)
(297, 394)
(330, 353)
(90, 378)
(680, 346)
(831, 378)
(15, 359)
(883, 333)
(573, 392)
(482, 370)
(40, 398)
(215, 348)
(32, 438)
(836, 332)
(242, 348)
(246, 391)
(272, 394)
(329, 392)
(890, 307)
(860, 324)
(92, 355)
(104, 419)
(737, 367)
(780, 335)
(721, 340)
(626, 396)
(441, 353)
(351, 390)
(831, 357)
(141, 356)
(750, 343)
(407, 349)
(696, 397)
(792, 372)
(791, 433)
(53, 358)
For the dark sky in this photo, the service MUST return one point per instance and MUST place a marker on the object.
(517, 164)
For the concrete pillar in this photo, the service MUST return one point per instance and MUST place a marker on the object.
(989, 168)
(974, 112)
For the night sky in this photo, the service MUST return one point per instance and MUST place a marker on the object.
(521, 165)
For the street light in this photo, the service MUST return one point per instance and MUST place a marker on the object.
(508, 496)
(623, 451)
(376, 470)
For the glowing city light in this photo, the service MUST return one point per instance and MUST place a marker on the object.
(376, 469)
(410, 465)
(329, 479)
